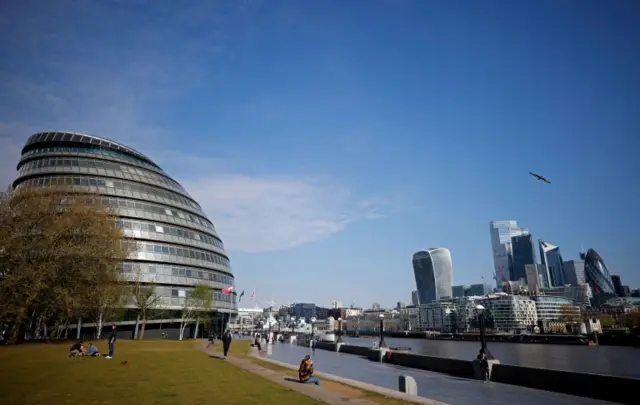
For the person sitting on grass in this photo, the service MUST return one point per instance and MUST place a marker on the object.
(305, 372)
(93, 350)
(77, 349)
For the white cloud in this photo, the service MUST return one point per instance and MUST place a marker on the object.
(260, 214)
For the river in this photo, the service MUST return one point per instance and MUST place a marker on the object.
(613, 360)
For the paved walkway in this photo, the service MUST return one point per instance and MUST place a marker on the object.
(436, 386)
(321, 393)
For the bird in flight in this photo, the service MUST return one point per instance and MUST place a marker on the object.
(539, 177)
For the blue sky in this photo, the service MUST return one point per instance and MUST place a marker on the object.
(328, 141)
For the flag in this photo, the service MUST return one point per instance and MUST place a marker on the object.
(253, 295)
(227, 290)
(240, 297)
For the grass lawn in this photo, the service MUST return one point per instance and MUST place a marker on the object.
(157, 372)
(242, 349)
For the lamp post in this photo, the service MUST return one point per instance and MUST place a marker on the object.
(293, 324)
(480, 310)
(382, 343)
(339, 330)
(313, 321)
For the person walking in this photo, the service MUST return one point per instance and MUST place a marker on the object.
(112, 341)
(226, 342)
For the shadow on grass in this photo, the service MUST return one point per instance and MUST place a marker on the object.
(215, 356)
(295, 380)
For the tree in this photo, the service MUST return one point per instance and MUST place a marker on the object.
(144, 298)
(55, 247)
(198, 300)
(104, 300)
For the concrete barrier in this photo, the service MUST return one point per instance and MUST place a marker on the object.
(407, 384)
(455, 367)
(357, 350)
(598, 386)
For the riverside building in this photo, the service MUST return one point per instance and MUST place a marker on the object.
(178, 246)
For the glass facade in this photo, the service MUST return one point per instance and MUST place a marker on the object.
(177, 245)
(433, 271)
(553, 264)
(523, 254)
(597, 274)
(501, 233)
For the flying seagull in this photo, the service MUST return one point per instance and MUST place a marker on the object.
(539, 177)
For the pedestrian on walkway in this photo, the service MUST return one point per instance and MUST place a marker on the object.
(226, 342)
(112, 340)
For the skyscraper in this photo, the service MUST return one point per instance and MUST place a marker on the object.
(598, 277)
(617, 285)
(415, 299)
(523, 254)
(552, 263)
(434, 274)
(574, 272)
(501, 234)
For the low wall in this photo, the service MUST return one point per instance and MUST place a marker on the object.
(455, 367)
(598, 386)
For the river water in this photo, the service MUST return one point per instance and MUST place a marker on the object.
(613, 360)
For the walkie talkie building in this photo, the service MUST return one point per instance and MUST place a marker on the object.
(178, 246)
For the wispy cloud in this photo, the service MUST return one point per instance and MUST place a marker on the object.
(51, 78)
(268, 213)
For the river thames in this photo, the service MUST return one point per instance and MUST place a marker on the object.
(613, 360)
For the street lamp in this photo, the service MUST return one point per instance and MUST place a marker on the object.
(293, 324)
(339, 330)
(382, 343)
(313, 321)
(480, 310)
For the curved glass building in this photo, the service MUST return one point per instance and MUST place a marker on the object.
(597, 274)
(433, 270)
(178, 246)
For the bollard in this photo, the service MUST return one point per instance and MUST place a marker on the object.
(407, 384)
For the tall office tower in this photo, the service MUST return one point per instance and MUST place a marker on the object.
(533, 278)
(415, 299)
(434, 274)
(617, 285)
(552, 263)
(523, 254)
(598, 278)
(573, 272)
(501, 234)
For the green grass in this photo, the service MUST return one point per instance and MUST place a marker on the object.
(157, 372)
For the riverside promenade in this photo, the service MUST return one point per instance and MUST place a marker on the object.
(436, 386)
(342, 393)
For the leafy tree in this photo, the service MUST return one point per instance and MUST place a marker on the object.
(197, 301)
(144, 298)
(56, 249)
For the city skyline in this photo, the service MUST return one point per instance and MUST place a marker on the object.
(328, 142)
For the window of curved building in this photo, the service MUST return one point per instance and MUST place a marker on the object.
(121, 185)
(91, 150)
(177, 271)
(127, 224)
(179, 251)
(103, 167)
